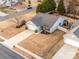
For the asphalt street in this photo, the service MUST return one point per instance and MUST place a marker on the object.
(18, 13)
(6, 53)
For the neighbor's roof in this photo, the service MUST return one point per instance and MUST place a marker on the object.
(6, 53)
(45, 19)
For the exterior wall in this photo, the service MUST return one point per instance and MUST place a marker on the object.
(58, 22)
(31, 26)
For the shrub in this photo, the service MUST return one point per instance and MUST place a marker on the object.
(61, 7)
(36, 31)
(46, 6)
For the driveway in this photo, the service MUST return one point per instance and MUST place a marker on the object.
(17, 39)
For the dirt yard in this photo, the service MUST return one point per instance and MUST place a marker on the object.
(44, 45)
(8, 27)
(10, 31)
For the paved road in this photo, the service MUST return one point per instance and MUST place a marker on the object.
(6, 53)
(19, 13)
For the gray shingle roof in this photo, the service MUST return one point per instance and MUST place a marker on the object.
(45, 19)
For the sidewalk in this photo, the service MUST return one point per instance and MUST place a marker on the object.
(17, 39)
(66, 52)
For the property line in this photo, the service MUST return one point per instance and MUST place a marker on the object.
(29, 52)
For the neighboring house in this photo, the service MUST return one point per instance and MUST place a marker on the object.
(72, 37)
(9, 2)
(50, 22)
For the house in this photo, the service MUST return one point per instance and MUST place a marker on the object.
(9, 2)
(72, 37)
(45, 21)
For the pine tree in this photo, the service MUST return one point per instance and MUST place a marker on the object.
(46, 6)
(61, 7)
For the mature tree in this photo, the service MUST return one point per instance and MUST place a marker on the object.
(46, 6)
(70, 8)
(61, 7)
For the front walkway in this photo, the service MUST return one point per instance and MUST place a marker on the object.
(66, 52)
(17, 39)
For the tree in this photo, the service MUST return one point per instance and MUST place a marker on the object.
(46, 6)
(61, 7)
(70, 8)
